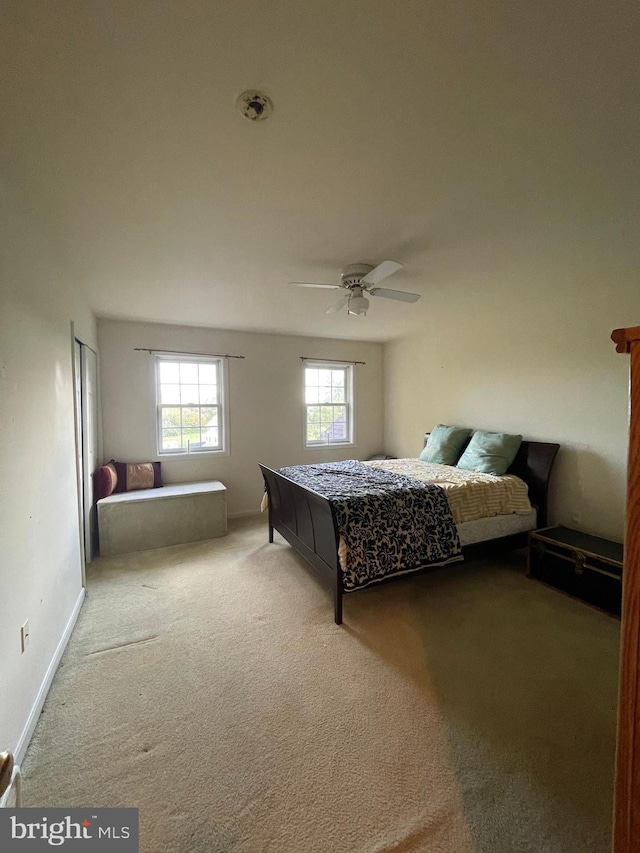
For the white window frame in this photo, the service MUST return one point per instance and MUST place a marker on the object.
(349, 403)
(222, 406)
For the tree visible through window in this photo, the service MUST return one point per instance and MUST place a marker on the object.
(328, 406)
(189, 397)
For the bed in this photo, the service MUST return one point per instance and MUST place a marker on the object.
(409, 520)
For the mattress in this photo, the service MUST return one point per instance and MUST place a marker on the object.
(484, 529)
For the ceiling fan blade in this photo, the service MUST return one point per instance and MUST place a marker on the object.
(400, 295)
(339, 304)
(383, 270)
(312, 284)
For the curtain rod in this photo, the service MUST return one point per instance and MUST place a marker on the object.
(331, 360)
(182, 352)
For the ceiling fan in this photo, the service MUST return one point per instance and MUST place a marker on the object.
(358, 279)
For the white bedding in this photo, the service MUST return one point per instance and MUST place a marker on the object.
(471, 495)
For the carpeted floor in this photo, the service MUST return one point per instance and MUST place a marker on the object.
(466, 710)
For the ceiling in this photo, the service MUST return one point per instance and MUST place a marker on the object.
(454, 138)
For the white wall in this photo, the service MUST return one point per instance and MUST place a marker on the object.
(535, 361)
(40, 571)
(265, 401)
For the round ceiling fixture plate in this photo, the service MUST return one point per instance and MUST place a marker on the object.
(254, 105)
(352, 275)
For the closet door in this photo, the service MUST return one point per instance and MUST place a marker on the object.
(86, 380)
(89, 365)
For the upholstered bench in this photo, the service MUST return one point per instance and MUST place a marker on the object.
(153, 518)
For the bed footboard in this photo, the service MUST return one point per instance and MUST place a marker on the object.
(307, 521)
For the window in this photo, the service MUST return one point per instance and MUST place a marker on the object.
(190, 404)
(328, 395)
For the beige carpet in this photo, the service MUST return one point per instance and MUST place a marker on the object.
(469, 709)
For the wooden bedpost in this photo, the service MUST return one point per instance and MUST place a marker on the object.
(337, 597)
(626, 832)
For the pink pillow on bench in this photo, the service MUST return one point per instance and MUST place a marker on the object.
(106, 480)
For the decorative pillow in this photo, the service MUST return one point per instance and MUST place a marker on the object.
(106, 481)
(137, 475)
(445, 444)
(490, 452)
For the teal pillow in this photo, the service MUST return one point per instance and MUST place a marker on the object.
(490, 452)
(445, 444)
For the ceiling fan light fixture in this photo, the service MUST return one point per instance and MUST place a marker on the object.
(358, 305)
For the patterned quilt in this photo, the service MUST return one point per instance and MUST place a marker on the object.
(390, 524)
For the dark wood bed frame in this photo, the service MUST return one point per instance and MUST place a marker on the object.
(307, 521)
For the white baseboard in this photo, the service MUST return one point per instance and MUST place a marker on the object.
(246, 514)
(32, 720)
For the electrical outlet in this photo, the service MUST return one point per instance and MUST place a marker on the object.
(576, 516)
(24, 635)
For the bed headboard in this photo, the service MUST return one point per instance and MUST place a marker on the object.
(533, 463)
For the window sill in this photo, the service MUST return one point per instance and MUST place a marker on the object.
(334, 446)
(197, 454)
